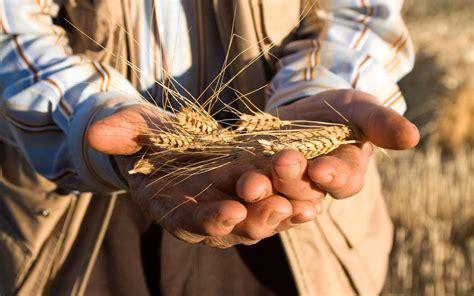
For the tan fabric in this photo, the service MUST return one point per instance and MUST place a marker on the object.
(103, 33)
(32, 223)
(345, 251)
(264, 31)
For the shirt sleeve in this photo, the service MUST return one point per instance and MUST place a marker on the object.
(346, 44)
(50, 96)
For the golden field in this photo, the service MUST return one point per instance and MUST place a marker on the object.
(430, 190)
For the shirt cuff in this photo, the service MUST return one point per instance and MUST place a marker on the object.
(95, 169)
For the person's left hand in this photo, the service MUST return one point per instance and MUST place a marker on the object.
(341, 172)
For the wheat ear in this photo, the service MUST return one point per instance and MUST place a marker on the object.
(174, 141)
(310, 142)
(195, 122)
(260, 121)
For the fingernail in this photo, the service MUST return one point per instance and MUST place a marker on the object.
(231, 222)
(275, 218)
(319, 208)
(325, 180)
(288, 172)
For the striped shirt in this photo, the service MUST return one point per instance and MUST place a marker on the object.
(49, 95)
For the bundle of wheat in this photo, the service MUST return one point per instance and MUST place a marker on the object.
(194, 138)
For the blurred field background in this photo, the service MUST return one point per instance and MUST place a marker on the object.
(430, 190)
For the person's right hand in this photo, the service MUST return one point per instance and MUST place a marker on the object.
(219, 217)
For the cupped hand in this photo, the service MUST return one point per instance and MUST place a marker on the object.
(341, 172)
(191, 209)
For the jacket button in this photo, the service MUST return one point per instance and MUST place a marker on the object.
(44, 212)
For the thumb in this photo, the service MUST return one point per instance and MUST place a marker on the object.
(381, 125)
(117, 133)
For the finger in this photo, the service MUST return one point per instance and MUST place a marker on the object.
(341, 174)
(117, 133)
(253, 186)
(210, 218)
(303, 211)
(215, 218)
(263, 217)
(226, 178)
(381, 125)
(290, 178)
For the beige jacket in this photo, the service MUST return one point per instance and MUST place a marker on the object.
(345, 251)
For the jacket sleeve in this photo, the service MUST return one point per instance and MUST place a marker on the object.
(49, 97)
(346, 44)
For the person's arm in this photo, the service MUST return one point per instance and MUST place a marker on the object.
(346, 44)
(349, 53)
(49, 97)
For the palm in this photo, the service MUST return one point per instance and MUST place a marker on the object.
(205, 207)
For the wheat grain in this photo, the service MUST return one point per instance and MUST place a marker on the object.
(174, 141)
(202, 126)
(260, 121)
(196, 123)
